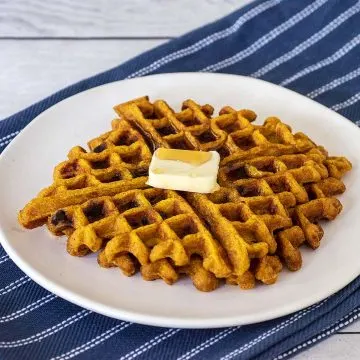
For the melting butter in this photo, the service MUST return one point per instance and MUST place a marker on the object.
(184, 170)
(187, 156)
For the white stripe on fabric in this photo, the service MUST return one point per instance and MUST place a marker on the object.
(328, 331)
(347, 103)
(14, 285)
(274, 330)
(325, 62)
(5, 142)
(309, 42)
(9, 135)
(209, 342)
(335, 83)
(148, 345)
(93, 342)
(42, 335)
(28, 308)
(264, 40)
(4, 258)
(199, 45)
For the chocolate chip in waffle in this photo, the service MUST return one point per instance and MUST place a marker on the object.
(117, 161)
(153, 228)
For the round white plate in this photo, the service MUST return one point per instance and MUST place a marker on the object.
(26, 167)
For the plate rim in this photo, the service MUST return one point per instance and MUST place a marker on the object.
(156, 320)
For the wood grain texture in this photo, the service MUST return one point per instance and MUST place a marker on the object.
(99, 18)
(337, 347)
(32, 70)
(354, 327)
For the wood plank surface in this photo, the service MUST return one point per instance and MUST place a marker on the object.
(103, 18)
(32, 70)
(336, 347)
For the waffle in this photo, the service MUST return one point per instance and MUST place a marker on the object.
(272, 138)
(275, 187)
(303, 167)
(270, 175)
(154, 228)
(202, 279)
(307, 178)
(305, 217)
(245, 229)
(117, 161)
(266, 270)
(231, 133)
(264, 225)
(160, 125)
(337, 166)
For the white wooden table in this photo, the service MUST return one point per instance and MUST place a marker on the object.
(47, 45)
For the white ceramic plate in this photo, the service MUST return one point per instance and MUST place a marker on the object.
(26, 166)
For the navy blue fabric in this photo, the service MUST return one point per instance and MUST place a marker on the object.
(309, 46)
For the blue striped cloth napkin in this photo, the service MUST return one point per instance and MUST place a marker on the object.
(309, 46)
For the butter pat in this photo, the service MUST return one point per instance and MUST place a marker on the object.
(184, 170)
(191, 157)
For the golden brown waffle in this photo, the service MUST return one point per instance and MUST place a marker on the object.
(246, 141)
(306, 176)
(117, 161)
(203, 279)
(307, 217)
(294, 173)
(265, 269)
(251, 227)
(231, 133)
(322, 206)
(302, 167)
(288, 242)
(244, 228)
(149, 226)
(306, 229)
(270, 175)
(275, 188)
(337, 166)
(164, 128)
